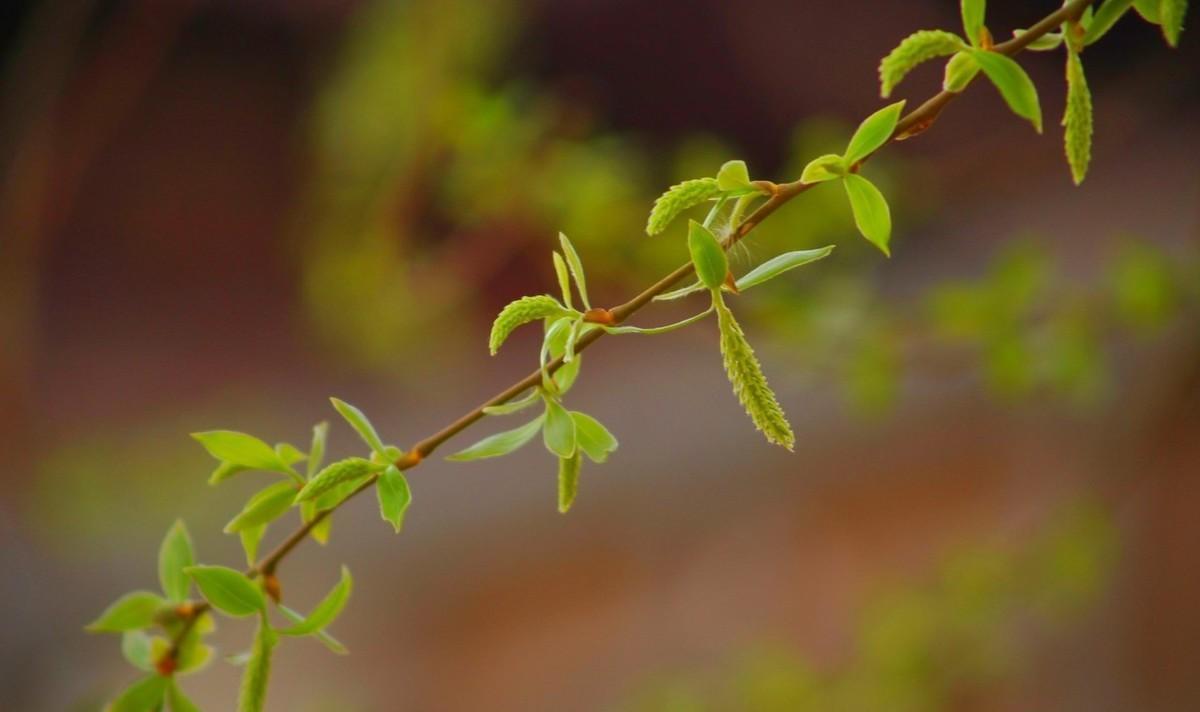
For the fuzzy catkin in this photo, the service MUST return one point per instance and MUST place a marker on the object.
(677, 199)
(568, 481)
(916, 48)
(1077, 119)
(749, 383)
(522, 311)
(334, 474)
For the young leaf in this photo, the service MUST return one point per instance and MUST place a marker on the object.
(1171, 13)
(1106, 16)
(145, 695)
(394, 496)
(251, 537)
(681, 292)
(1014, 84)
(194, 656)
(871, 213)
(564, 279)
(326, 611)
(568, 481)
(352, 469)
(177, 701)
(358, 420)
(1045, 43)
(514, 406)
(734, 177)
(129, 612)
(224, 471)
(658, 329)
(918, 47)
(316, 451)
(779, 264)
(576, 266)
(135, 648)
(749, 384)
(253, 694)
(677, 199)
(500, 443)
(175, 554)
(960, 70)
(972, 17)
(593, 438)
(823, 168)
(707, 255)
(522, 311)
(264, 507)
(1149, 10)
(289, 454)
(1077, 119)
(558, 430)
(229, 591)
(326, 639)
(241, 449)
(873, 132)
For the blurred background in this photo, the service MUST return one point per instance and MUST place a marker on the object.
(218, 213)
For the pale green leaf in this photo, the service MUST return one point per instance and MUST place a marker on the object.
(1014, 84)
(500, 443)
(174, 554)
(1077, 119)
(227, 590)
(871, 213)
(129, 612)
(177, 701)
(289, 454)
(145, 695)
(343, 472)
(316, 451)
(594, 439)
(733, 176)
(558, 429)
(918, 47)
(873, 132)
(135, 647)
(678, 199)
(325, 638)
(515, 405)
(779, 264)
(1046, 43)
(823, 168)
(568, 481)
(251, 537)
(263, 507)
(194, 656)
(708, 256)
(564, 279)
(576, 266)
(253, 695)
(960, 70)
(394, 496)
(1106, 16)
(520, 312)
(749, 383)
(658, 329)
(681, 292)
(358, 420)
(241, 449)
(325, 612)
(1171, 14)
(972, 17)
(1149, 10)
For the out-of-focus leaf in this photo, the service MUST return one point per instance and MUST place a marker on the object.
(174, 555)
(325, 612)
(129, 612)
(326, 639)
(227, 590)
(135, 647)
(241, 449)
(177, 701)
(145, 695)
(264, 507)
(253, 694)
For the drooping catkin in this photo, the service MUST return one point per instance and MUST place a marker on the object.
(522, 311)
(677, 199)
(916, 48)
(749, 383)
(568, 481)
(1077, 119)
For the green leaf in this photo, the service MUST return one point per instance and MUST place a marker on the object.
(568, 481)
(1149, 10)
(734, 177)
(514, 406)
(135, 647)
(253, 694)
(871, 213)
(289, 453)
(972, 17)
(707, 255)
(1077, 119)
(558, 429)
(1045, 43)
(241, 449)
(677, 199)
(328, 640)
(316, 451)
(823, 168)
(576, 266)
(554, 345)
(351, 470)
(394, 496)
(227, 590)
(681, 292)
(1171, 13)
(145, 695)
(1014, 84)
(779, 264)
(749, 384)
(194, 656)
(129, 612)
(178, 701)
(873, 132)
(174, 554)
(918, 47)
(658, 329)
(960, 70)
(593, 438)
(251, 537)
(500, 443)
(358, 420)
(564, 279)
(520, 312)
(325, 612)
(263, 507)
(1106, 16)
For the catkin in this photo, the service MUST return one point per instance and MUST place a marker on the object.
(522, 311)
(1077, 119)
(912, 50)
(568, 481)
(678, 198)
(334, 474)
(749, 383)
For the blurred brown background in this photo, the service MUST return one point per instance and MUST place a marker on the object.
(217, 213)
